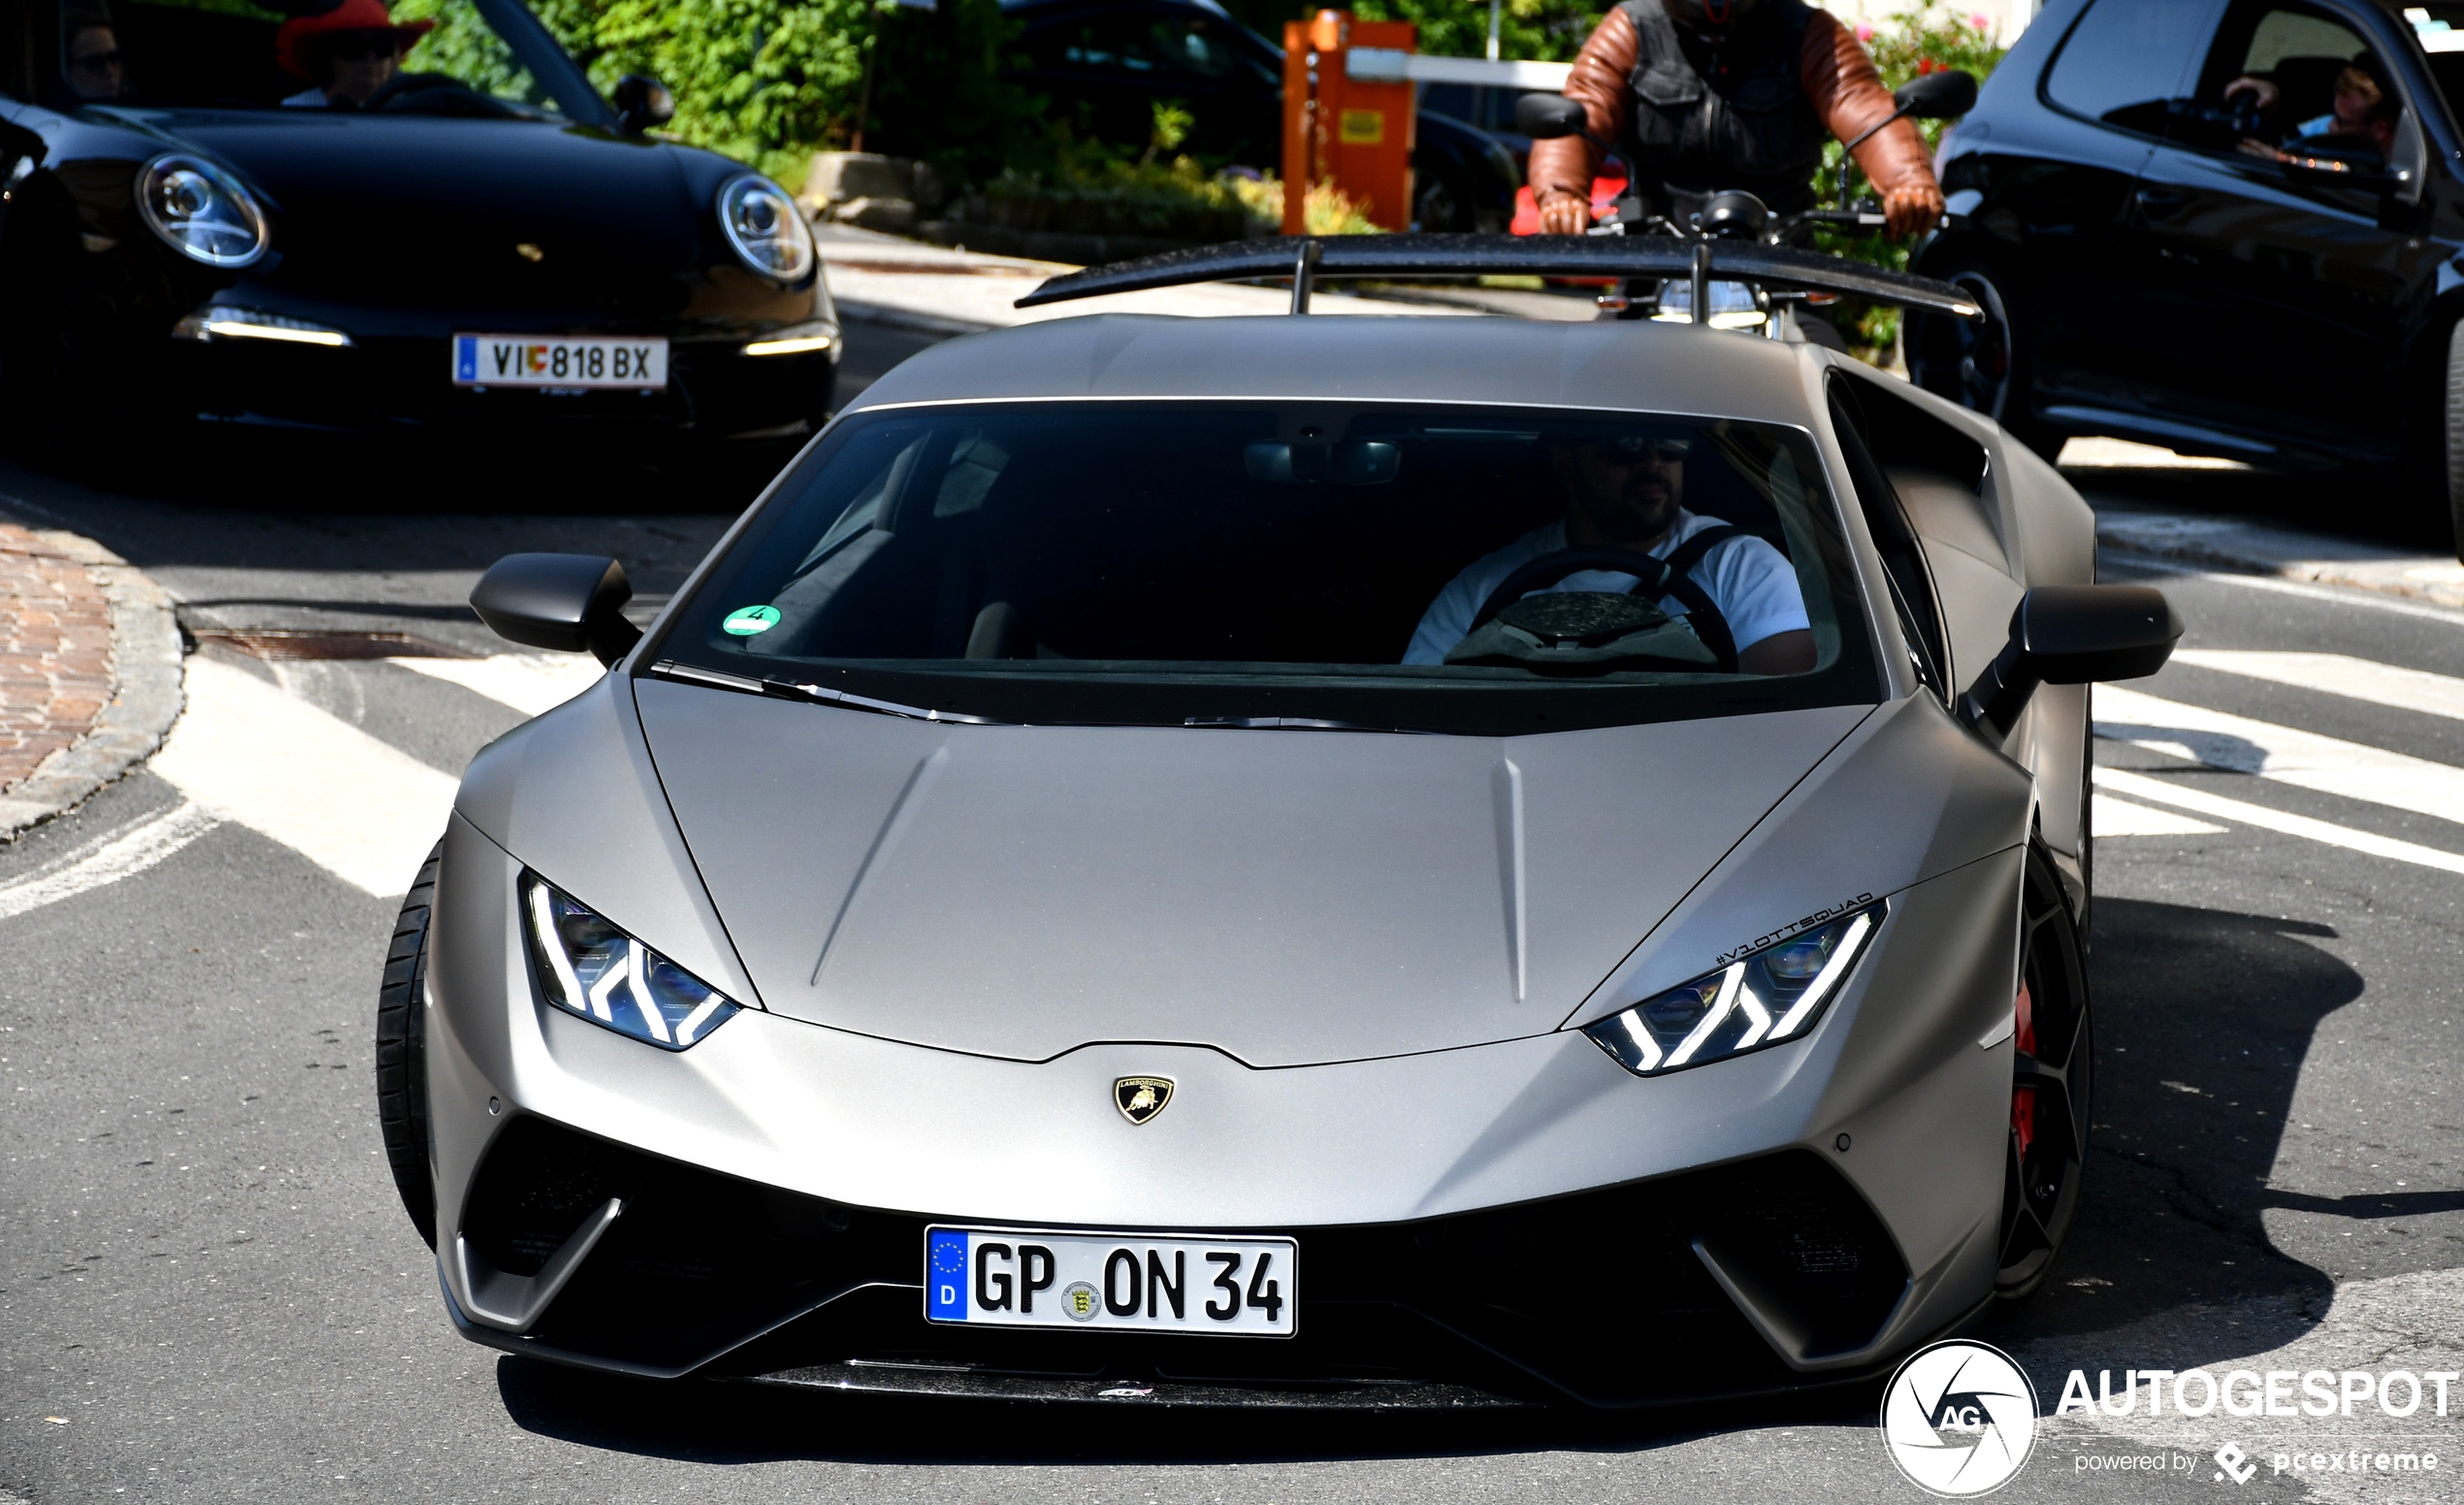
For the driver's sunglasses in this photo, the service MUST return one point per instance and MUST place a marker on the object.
(360, 45)
(97, 61)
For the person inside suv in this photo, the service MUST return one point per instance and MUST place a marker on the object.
(2363, 115)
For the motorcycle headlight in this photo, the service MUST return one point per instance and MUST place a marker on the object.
(202, 211)
(1768, 998)
(766, 228)
(588, 967)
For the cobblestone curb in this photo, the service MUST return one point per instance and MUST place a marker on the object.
(2250, 546)
(143, 679)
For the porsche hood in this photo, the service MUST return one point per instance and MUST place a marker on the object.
(1285, 896)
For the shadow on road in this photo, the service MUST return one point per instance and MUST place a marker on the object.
(2359, 507)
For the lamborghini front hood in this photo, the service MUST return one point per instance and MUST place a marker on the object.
(1285, 896)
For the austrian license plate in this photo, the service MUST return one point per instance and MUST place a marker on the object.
(1112, 1282)
(559, 361)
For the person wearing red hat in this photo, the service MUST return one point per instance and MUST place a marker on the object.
(348, 52)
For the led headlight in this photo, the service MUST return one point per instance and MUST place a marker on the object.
(1770, 996)
(766, 228)
(590, 967)
(202, 211)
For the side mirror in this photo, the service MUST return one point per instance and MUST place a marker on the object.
(567, 602)
(1548, 116)
(641, 102)
(2359, 168)
(2071, 635)
(1937, 96)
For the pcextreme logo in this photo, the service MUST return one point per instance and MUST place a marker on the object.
(1958, 1418)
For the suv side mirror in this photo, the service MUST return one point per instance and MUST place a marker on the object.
(567, 602)
(2071, 635)
(641, 102)
(1937, 96)
(1549, 116)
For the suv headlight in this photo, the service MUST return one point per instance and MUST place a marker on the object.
(588, 967)
(202, 211)
(1768, 998)
(766, 228)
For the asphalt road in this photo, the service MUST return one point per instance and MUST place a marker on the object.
(208, 1292)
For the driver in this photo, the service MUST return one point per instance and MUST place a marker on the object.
(349, 52)
(1628, 491)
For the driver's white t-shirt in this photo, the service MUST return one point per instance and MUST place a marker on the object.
(1750, 581)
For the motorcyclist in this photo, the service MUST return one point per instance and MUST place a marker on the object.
(1704, 95)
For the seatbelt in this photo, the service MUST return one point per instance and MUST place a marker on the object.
(1681, 561)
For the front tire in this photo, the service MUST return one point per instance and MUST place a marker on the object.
(2052, 1078)
(1981, 364)
(401, 1052)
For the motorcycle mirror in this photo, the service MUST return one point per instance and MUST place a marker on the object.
(641, 102)
(1548, 116)
(1937, 96)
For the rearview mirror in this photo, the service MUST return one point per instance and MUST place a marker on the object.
(1937, 96)
(641, 102)
(2071, 635)
(1548, 116)
(1360, 462)
(566, 603)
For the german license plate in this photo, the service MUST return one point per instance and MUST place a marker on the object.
(559, 361)
(1112, 1282)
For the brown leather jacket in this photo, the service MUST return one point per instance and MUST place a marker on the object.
(1839, 79)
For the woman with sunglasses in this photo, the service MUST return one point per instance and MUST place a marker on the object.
(349, 52)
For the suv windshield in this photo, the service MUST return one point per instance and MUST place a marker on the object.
(489, 59)
(1477, 570)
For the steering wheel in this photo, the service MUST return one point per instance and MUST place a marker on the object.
(1655, 579)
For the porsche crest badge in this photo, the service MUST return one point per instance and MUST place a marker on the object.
(1141, 1098)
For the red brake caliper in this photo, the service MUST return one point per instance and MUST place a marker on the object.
(2024, 1099)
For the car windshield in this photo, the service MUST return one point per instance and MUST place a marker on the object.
(488, 58)
(1472, 569)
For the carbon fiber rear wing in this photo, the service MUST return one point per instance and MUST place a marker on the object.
(1305, 260)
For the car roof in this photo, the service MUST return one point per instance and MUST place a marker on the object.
(1634, 365)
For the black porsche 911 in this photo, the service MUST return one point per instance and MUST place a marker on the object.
(344, 218)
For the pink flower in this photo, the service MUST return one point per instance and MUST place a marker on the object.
(1979, 23)
(1864, 33)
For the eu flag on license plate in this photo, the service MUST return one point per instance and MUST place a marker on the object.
(946, 1276)
(465, 358)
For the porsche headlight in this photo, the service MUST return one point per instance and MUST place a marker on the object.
(588, 967)
(766, 228)
(1768, 998)
(202, 211)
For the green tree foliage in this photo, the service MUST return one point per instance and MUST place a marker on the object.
(772, 82)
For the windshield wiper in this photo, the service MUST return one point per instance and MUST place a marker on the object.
(669, 669)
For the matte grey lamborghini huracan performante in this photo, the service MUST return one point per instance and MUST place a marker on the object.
(1297, 860)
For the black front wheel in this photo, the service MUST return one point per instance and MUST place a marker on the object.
(401, 1052)
(1981, 364)
(2052, 1072)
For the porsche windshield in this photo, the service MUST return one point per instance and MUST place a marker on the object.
(460, 58)
(1441, 569)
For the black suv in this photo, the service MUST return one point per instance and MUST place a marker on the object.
(2172, 255)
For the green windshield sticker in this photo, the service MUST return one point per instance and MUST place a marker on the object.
(746, 621)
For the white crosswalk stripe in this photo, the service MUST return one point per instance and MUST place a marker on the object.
(2115, 816)
(531, 683)
(2140, 786)
(352, 805)
(2339, 673)
(2285, 755)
